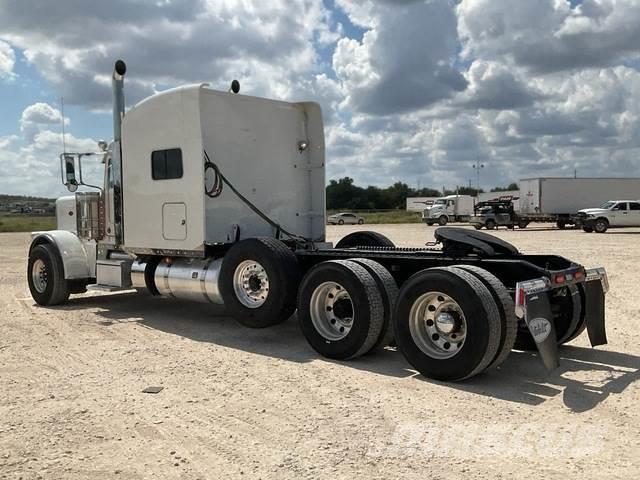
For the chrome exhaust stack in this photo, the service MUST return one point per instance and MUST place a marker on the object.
(117, 83)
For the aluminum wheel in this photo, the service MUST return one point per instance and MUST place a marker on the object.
(437, 325)
(39, 275)
(251, 284)
(331, 311)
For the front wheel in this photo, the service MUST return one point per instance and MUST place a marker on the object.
(477, 226)
(522, 224)
(561, 224)
(442, 221)
(45, 276)
(340, 222)
(490, 224)
(361, 221)
(601, 225)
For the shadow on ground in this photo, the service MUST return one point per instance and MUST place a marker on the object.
(585, 378)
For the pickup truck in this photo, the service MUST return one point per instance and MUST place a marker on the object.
(614, 213)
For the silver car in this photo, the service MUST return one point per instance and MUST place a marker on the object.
(342, 218)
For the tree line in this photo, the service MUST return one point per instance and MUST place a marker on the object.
(343, 194)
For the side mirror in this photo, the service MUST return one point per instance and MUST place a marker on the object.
(70, 180)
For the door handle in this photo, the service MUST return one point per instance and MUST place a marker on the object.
(183, 222)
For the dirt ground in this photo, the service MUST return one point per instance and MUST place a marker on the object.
(241, 403)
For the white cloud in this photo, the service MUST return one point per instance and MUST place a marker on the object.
(29, 162)
(405, 60)
(549, 35)
(7, 60)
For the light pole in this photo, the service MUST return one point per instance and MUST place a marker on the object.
(477, 168)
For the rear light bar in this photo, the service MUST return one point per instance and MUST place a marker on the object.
(543, 284)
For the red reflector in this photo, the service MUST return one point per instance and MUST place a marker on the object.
(521, 297)
(579, 274)
(558, 278)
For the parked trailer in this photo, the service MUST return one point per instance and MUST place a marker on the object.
(226, 206)
(559, 199)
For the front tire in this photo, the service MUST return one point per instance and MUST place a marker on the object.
(447, 324)
(45, 276)
(340, 309)
(442, 221)
(477, 226)
(490, 224)
(258, 282)
(601, 225)
(340, 222)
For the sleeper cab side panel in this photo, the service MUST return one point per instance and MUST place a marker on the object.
(152, 207)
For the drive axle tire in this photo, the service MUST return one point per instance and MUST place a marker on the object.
(561, 224)
(45, 276)
(340, 309)
(447, 324)
(506, 307)
(601, 225)
(258, 282)
(389, 290)
(364, 239)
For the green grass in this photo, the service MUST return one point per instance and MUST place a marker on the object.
(23, 223)
(388, 216)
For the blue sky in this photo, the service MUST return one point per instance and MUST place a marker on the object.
(411, 90)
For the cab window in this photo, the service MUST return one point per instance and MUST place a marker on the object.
(166, 164)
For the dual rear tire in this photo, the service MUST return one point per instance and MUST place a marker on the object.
(452, 323)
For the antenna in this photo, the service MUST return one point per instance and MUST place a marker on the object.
(64, 144)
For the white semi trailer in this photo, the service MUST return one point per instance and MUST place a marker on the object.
(218, 197)
(559, 199)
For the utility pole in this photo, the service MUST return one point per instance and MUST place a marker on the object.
(477, 168)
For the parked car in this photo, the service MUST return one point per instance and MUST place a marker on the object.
(495, 213)
(342, 218)
(614, 213)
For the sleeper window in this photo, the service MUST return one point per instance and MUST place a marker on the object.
(166, 164)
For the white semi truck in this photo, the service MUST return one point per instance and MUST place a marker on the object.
(558, 200)
(218, 197)
(452, 208)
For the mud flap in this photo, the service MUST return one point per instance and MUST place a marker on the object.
(594, 313)
(539, 320)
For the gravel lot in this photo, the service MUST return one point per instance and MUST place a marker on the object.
(241, 403)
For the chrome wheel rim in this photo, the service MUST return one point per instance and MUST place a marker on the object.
(331, 310)
(437, 325)
(251, 284)
(39, 276)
